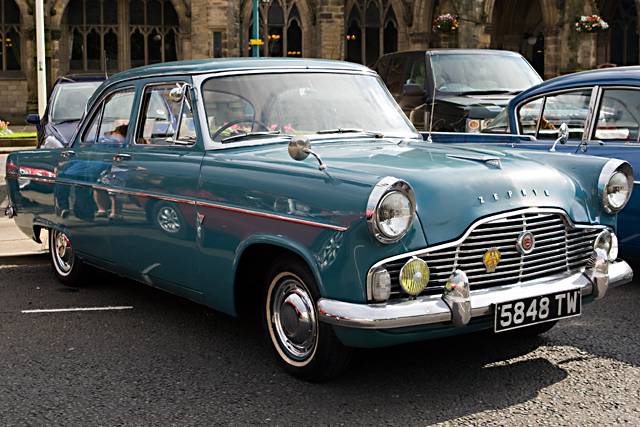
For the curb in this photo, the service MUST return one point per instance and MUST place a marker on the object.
(18, 142)
(27, 258)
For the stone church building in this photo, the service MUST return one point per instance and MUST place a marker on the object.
(85, 36)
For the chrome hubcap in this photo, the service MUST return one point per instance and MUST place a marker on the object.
(62, 252)
(294, 319)
(168, 219)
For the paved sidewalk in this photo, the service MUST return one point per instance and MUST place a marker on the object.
(12, 241)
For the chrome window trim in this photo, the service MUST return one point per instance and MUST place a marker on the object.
(139, 115)
(594, 111)
(516, 110)
(470, 229)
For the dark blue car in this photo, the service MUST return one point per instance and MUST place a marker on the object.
(65, 109)
(601, 111)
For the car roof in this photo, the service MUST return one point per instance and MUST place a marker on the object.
(202, 66)
(617, 76)
(455, 52)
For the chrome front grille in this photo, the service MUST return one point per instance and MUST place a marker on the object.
(559, 248)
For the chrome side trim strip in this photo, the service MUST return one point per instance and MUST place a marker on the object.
(190, 201)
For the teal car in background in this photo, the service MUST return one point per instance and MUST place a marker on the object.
(299, 189)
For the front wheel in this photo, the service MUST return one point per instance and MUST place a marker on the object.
(68, 268)
(304, 346)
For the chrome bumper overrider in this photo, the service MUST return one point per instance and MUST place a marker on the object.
(433, 308)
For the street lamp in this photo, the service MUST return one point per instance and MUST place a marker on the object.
(40, 58)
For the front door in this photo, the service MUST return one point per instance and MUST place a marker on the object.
(154, 235)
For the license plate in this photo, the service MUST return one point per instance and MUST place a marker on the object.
(530, 311)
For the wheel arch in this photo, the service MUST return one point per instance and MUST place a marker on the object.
(253, 258)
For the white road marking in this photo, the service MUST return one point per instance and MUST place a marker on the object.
(60, 310)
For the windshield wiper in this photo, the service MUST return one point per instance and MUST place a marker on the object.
(351, 130)
(251, 134)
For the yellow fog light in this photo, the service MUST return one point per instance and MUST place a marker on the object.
(414, 276)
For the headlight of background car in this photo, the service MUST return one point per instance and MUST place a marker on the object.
(615, 185)
(391, 209)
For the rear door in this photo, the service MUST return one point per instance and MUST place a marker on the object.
(84, 200)
(156, 182)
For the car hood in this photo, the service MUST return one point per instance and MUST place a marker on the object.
(454, 185)
(479, 106)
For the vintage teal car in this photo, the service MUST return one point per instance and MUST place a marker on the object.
(299, 189)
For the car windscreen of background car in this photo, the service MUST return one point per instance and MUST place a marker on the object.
(70, 101)
(462, 73)
(302, 103)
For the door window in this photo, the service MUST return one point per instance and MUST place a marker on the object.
(164, 120)
(544, 116)
(110, 123)
(415, 71)
(619, 116)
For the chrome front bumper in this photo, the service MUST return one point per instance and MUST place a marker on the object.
(433, 309)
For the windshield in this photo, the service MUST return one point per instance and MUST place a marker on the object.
(301, 103)
(71, 100)
(482, 73)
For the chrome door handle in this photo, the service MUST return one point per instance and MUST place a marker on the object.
(121, 157)
(67, 154)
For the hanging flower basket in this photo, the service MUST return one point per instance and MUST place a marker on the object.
(446, 23)
(590, 24)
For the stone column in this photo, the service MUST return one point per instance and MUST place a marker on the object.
(330, 27)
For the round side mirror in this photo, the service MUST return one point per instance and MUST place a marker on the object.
(176, 94)
(563, 133)
(299, 148)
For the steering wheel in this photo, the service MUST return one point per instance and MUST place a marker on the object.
(235, 122)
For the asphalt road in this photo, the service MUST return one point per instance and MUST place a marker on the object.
(167, 361)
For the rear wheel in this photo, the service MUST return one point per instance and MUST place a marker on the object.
(304, 346)
(67, 267)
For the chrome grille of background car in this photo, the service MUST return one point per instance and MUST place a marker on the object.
(559, 248)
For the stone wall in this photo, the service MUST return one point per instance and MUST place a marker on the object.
(14, 99)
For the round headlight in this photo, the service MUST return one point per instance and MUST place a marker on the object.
(390, 210)
(394, 215)
(616, 183)
(414, 276)
(617, 191)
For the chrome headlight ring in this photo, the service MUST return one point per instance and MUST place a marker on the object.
(382, 191)
(613, 175)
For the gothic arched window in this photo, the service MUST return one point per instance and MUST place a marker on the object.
(153, 32)
(370, 30)
(93, 28)
(10, 35)
(280, 29)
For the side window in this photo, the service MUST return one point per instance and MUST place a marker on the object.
(382, 67)
(116, 113)
(528, 116)
(165, 121)
(90, 134)
(619, 116)
(570, 108)
(415, 71)
(499, 124)
(395, 75)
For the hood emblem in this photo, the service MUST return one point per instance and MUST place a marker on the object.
(489, 161)
(526, 243)
(491, 259)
